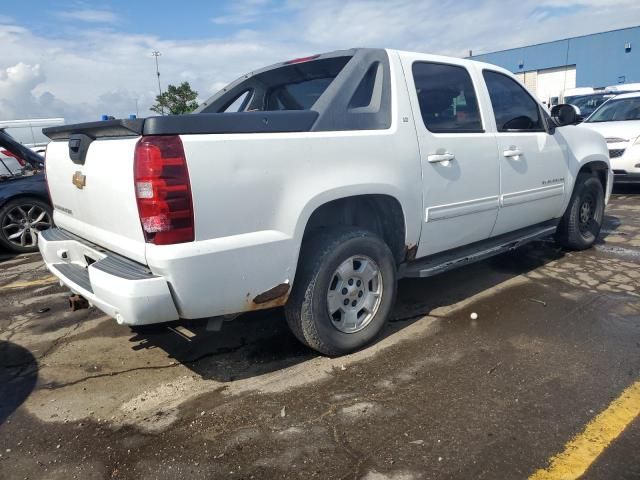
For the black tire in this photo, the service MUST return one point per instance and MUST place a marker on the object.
(307, 310)
(26, 203)
(578, 230)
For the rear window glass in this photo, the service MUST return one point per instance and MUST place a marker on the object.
(297, 96)
(295, 86)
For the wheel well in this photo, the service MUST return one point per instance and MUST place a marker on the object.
(24, 195)
(380, 214)
(599, 168)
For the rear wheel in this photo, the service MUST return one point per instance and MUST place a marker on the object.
(344, 291)
(581, 223)
(20, 221)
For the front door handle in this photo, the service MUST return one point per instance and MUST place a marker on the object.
(512, 152)
(440, 157)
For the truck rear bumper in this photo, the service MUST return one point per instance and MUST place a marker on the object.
(121, 288)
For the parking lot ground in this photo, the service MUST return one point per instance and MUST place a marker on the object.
(555, 346)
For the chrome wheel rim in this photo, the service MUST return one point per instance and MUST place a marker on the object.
(586, 214)
(22, 223)
(355, 294)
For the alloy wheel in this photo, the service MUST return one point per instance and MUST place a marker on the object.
(22, 223)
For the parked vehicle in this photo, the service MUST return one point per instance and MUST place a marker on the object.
(315, 184)
(588, 99)
(623, 88)
(569, 94)
(618, 120)
(28, 133)
(587, 104)
(24, 201)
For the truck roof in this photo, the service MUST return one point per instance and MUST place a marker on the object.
(460, 61)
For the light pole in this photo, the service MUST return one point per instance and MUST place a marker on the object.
(156, 54)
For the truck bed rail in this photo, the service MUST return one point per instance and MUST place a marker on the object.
(199, 123)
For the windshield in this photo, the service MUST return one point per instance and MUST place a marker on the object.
(617, 110)
(588, 103)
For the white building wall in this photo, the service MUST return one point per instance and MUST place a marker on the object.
(553, 81)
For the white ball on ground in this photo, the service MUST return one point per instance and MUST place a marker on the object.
(474, 316)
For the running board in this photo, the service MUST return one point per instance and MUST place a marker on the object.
(441, 262)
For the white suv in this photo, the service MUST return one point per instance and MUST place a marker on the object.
(618, 120)
(315, 184)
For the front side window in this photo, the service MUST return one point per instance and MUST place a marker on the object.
(513, 107)
(446, 98)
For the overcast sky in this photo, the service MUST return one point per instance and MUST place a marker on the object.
(74, 59)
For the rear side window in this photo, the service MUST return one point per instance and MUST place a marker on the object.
(447, 99)
(513, 107)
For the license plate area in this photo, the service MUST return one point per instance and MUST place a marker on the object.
(76, 253)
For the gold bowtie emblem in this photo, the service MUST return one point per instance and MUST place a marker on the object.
(79, 180)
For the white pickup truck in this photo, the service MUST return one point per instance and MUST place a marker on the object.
(315, 184)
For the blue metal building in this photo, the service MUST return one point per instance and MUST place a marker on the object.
(596, 60)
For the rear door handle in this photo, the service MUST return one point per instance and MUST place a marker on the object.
(512, 152)
(440, 157)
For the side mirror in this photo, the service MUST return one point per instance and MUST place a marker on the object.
(565, 114)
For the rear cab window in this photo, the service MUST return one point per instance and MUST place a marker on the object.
(294, 86)
(296, 96)
(447, 98)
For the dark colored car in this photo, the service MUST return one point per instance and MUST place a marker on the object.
(25, 208)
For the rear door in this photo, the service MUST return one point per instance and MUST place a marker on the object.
(533, 167)
(458, 156)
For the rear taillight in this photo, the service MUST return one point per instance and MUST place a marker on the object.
(7, 153)
(163, 191)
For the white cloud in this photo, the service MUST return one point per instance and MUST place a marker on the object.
(100, 72)
(97, 71)
(90, 15)
(16, 88)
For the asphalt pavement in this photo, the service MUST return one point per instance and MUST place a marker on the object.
(550, 366)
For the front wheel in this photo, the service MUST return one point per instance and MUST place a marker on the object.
(581, 223)
(344, 291)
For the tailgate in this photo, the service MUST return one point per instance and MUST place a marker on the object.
(95, 198)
